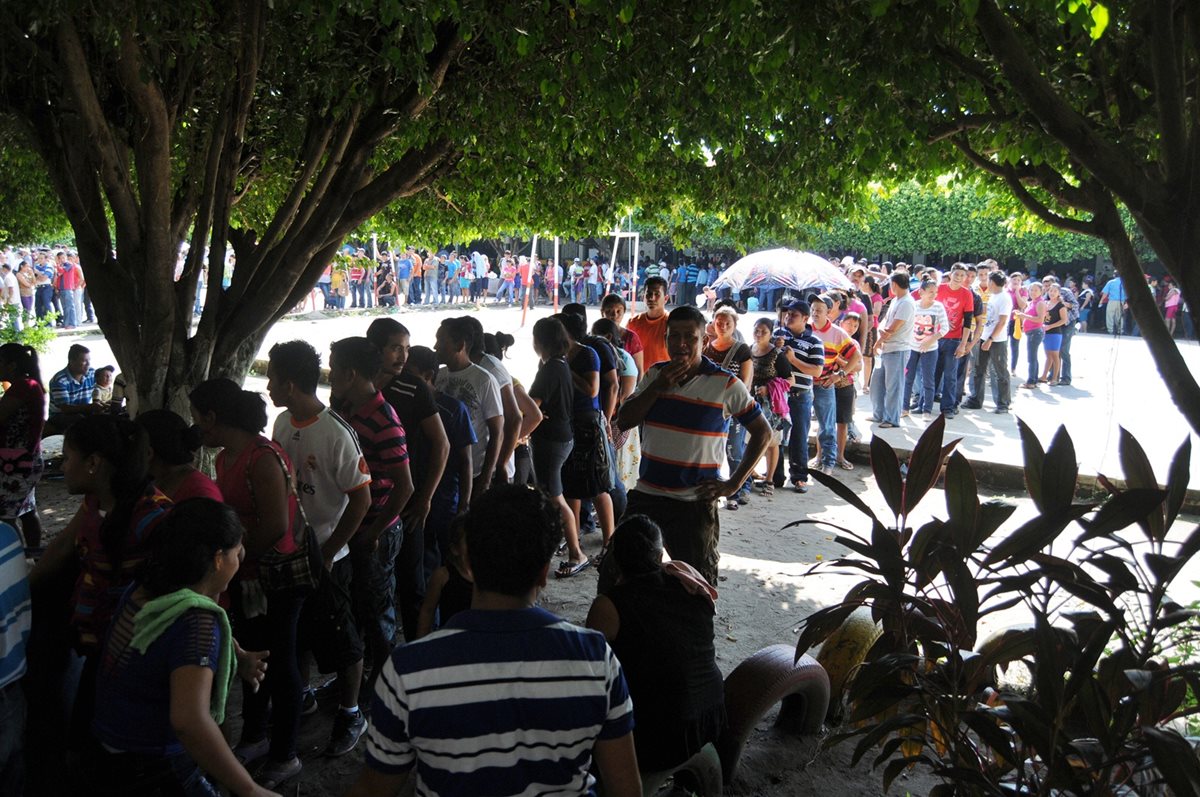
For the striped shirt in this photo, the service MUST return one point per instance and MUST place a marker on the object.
(16, 613)
(683, 435)
(381, 438)
(837, 343)
(808, 349)
(499, 703)
(66, 389)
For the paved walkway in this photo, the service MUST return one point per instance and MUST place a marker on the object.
(1115, 383)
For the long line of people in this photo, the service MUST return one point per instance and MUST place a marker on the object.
(427, 503)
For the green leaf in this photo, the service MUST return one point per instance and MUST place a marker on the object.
(925, 464)
(1099, 20)
(1034, 459)
(1177, 480)
(1174, 757)
(886, 467)
(1138, 473)
(1059, 472)
(626, 12)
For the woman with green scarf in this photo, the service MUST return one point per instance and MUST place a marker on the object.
(167, 664)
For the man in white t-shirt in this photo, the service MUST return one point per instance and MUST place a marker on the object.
(476, 388)
(993, 353)
(332, 480)
(513, 417)
(892, 348)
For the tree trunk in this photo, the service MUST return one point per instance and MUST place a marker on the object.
(1182, 386)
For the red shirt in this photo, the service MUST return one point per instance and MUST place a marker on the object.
(653, 334)
(196, 485)
(958, 303)
(231, 480)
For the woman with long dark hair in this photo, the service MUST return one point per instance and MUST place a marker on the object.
(173, 447)
(659, 621)
(22, 418)
(252, 474)
(552, 440)
(168, 662)
(102, 551)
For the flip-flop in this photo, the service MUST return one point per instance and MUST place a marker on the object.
(844, 465)
(567, 568)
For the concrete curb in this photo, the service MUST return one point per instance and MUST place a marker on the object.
(1011, 478)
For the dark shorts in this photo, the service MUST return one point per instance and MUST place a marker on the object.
(844, 398)
(548, 459)
(327, 625)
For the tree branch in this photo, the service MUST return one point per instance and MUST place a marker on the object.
(111, 167)
(1165, 63)
(964, 124)
(1012, 179)
(1102, 158)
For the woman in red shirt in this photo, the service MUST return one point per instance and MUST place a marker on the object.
(251, 477)
(22, 418)
(173, 447)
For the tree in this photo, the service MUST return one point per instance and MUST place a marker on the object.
(32, 213)
(960, 219)
(1080, 109)
(278, 128)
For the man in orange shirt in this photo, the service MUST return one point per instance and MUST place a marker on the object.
(651, 326)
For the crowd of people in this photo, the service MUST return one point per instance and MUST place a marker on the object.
(38, 282)
(426, 503)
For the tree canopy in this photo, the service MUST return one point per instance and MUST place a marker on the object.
(277, 127)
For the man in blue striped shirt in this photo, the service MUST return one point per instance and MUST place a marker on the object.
(507, 698)
(15, 618)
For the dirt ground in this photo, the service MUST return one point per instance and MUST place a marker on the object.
(765, 592)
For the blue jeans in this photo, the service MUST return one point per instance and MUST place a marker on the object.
(926, 363)
(949, 365)
(1033, 341)
(800, 405)
(1064, 354)
(506, 287)
(887, 390)
(825, 407)
(431, 287)
(70, 303)
(735, 449)
(374, 588)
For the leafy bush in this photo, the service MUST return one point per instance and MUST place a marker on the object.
(38, 334)
(1103, 647)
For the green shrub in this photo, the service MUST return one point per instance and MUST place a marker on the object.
(1107, 678)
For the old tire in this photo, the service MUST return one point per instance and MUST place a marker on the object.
(769, 676)
(843, 651)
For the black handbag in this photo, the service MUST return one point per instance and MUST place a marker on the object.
(301, 569)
